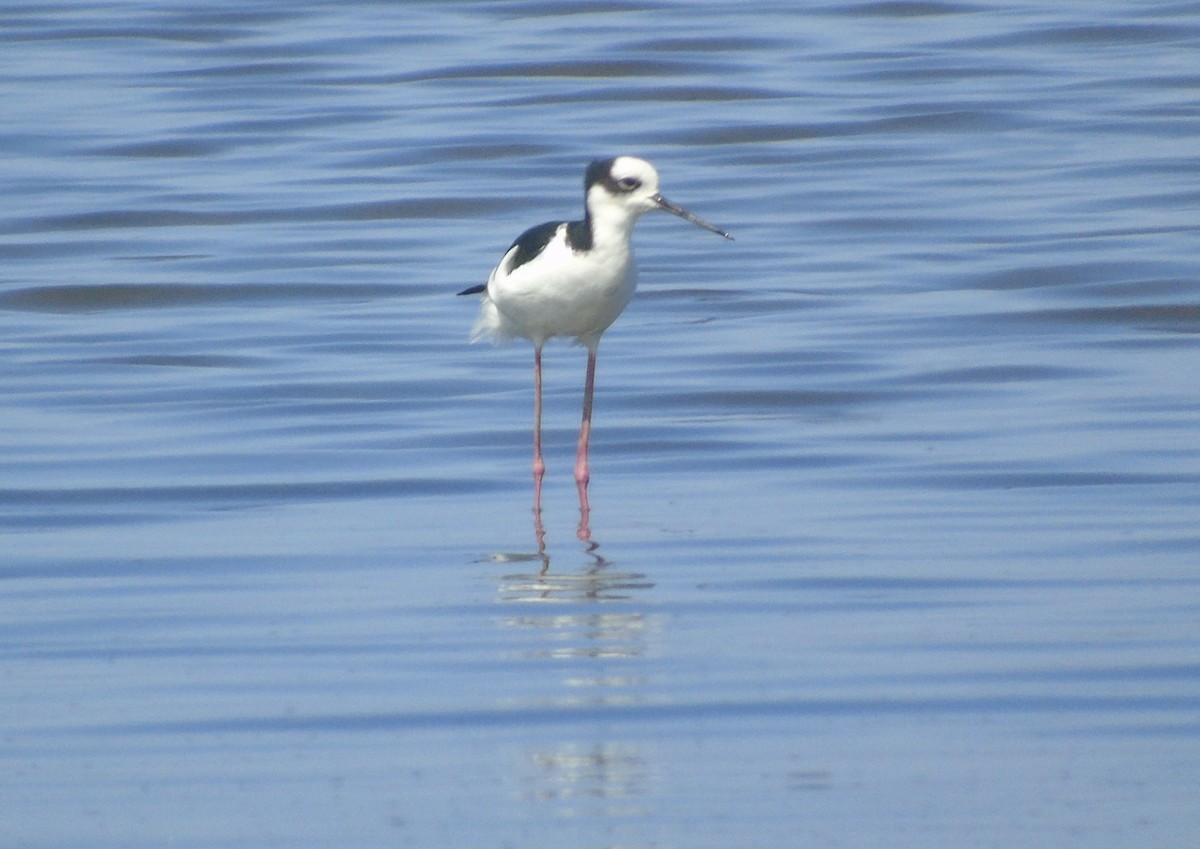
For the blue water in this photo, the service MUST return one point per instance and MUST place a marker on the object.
(894, 531)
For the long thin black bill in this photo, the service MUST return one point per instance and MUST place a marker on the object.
(665, 204)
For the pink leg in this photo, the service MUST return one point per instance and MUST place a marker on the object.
(582, 473)
(539, 465)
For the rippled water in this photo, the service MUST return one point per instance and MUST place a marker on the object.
(894, 499)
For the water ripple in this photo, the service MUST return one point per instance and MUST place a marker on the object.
(892, 499)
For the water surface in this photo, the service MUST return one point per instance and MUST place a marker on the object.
(894, 499)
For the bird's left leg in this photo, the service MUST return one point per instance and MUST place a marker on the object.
(582, 472)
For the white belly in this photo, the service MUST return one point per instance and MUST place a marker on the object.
(562, 293)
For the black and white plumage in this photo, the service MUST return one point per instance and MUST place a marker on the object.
(572, 279)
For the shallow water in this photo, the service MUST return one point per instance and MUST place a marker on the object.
(894, 499)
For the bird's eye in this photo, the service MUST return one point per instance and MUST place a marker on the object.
(629, 183)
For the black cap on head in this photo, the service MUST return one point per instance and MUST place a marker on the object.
(598, 171)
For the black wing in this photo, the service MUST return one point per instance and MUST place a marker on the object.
(529, 244)
(532, 242)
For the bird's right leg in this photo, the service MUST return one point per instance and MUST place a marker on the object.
(539, 465)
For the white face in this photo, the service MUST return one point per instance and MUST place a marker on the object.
(632, 184)
(630, 188)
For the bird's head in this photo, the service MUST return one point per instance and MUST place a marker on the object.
(627, 187)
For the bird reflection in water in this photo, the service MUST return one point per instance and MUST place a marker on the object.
(600, 779)
(583, 533)
(586, 625)
(598, 580)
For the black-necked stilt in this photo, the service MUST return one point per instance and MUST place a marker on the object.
(572, 279)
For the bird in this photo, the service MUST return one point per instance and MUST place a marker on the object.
(572, 279)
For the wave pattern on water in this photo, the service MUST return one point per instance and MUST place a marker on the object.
(894, 497)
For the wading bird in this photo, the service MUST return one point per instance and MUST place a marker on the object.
(572, 279)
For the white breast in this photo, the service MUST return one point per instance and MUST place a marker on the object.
(561, 292)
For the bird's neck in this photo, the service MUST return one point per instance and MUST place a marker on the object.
(609, 228)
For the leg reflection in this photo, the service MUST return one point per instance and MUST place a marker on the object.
(584, 532)
(539, 531)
